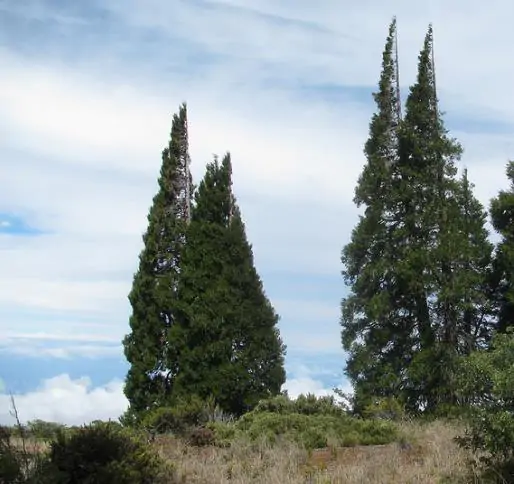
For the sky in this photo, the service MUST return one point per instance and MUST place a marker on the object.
(87, 93)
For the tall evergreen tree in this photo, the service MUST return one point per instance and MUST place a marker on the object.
(226, 338)
(447, 254)
(502, 217)
(367, 313)
(417, 260)
(153, 294)
(424, 177)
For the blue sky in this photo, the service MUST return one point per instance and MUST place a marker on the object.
(86, 97)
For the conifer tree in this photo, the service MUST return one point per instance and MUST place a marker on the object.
(446, 254)
(153, 294)
(418, 259)
(367, 313)
(502, 217)
(226, 339)
(424, 175)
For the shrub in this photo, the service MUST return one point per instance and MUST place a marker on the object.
(224, 433)
(311, 405)
(314, 431)
(184, 415)
(488, 385)
(305, 404)
(387, 408)
(279, 404)
(103, 452)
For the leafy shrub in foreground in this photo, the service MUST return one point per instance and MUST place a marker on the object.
(18, 464)
(10, 460)
(488, 384)
(102, 452)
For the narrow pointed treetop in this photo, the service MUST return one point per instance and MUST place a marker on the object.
(380, 148)
(414, 255)
(227, 338)
(440, 265)
(368, 312)
(154, 286)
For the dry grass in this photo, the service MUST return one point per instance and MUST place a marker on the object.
(429, 456)
(30, 445)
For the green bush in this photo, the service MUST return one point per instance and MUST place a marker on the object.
(179, 418)
(314, 431)
(103, 452)
(279, 404)
(305, 404)
(224, 433)
(487, 383)
(387, 408)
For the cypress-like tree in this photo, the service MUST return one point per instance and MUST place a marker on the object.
(418, 259)
(447, 255)
(424, 176)
(374, 354)
(154, 289)
(502, 217)
(226, 340)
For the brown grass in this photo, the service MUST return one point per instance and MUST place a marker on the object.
(30, 445)
(429, 456)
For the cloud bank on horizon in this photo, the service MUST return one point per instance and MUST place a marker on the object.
(86, 98)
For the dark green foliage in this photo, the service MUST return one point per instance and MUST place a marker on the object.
(102, 453)
(225, 339)
(369, 257)
(153, 296)
(186, 413)
(502, 217)
(11, 459)
(446, 254)
(418, 261)
(487, 379)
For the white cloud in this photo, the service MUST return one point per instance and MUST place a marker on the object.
(72, 402)
(307, 385)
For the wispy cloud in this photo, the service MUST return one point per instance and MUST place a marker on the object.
(86, 96)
